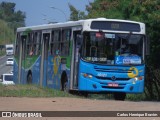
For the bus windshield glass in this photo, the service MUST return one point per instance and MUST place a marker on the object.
(113, 48)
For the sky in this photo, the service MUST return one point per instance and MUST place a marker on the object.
(40, 12)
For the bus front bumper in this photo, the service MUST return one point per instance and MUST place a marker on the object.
(94, 85)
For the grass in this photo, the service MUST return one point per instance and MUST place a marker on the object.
(37, 91)
(30, 91)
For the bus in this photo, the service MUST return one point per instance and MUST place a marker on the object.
(89, 56)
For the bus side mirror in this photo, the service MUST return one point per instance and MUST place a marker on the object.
(147, 46)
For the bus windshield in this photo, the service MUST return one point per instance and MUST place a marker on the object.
(113, 48)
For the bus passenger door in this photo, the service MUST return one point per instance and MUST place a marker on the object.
(21, 62)
(75, 58)
(44, 57)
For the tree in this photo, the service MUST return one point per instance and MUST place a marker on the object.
(6, 33)
(8, 14)
(9, 21)
(75, 14)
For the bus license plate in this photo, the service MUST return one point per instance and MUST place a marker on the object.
(112, 84)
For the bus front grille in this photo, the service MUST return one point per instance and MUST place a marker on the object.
(112, 70)
(110, 78)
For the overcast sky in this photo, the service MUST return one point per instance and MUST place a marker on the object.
(40, 11)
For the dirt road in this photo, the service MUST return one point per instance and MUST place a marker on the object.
(76, 104)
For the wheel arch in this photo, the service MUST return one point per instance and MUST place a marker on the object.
(64, 79)
(28, 75)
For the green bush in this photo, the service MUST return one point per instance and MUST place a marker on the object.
(136, 97)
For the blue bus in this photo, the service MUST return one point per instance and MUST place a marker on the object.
(89, 56)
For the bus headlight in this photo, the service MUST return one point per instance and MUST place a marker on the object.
(86, 75)
(137, 79)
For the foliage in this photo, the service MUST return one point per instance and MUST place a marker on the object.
(136, 97)
(2, 52)
(9, 21)
(152, 84)
(75, 14)
(6, 33)
(8, 14)
(147, 11)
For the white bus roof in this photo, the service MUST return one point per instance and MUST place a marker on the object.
(85, 23)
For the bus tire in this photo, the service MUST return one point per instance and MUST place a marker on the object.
(119, 96)
(29, 78)
(64, 81)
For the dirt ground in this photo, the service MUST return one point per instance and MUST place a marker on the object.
(76, 104)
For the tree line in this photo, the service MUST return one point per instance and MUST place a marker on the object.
(9, 21)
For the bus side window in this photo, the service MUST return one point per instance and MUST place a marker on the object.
(52, 44)
(28, 43)
(55, 43)
(66, 35)
(35, 43)
(17, 45)
(38, 43)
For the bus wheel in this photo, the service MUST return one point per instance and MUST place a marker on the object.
(29, 78)
(64, 81)
(119, 96)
